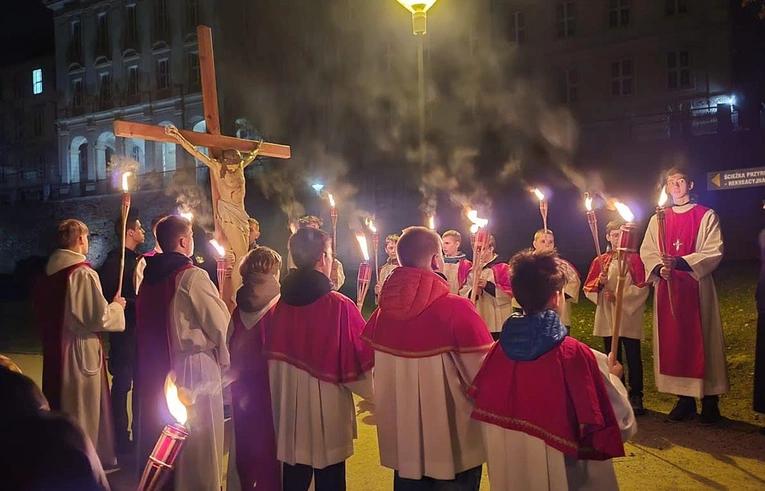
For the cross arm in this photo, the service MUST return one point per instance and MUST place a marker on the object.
(129, 129)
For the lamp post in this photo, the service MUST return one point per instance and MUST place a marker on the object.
(419, 10)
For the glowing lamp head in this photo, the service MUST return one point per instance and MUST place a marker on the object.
(432, 222)
(414, 6)
(419, 10)
(371, 224)
(588, 201)
(125, 185)
(663, 197)
(540, 196)
(317, 187)
(174, 404)
(218, 248)
(624, 211)
(331, 200)
(362, 239)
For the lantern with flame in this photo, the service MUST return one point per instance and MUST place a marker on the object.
(661, 226)
(224, 270)
(542, 206)
(375, 245)
(592, 221)
(365, 272)
(125, 211)
(162, 459)
(480, 240)
(621, 258)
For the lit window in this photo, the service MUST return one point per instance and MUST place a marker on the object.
(37, 86)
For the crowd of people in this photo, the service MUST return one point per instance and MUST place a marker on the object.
(454, 384)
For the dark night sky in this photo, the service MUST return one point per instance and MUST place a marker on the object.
(26, 30)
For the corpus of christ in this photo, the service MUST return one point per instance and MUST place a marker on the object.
(477, 350)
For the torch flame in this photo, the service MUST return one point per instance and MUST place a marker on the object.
(663, 197)
(588, 201)
(174, 404)
(363, 245)
(331, 200)
(474, 228)
(218, 248)
(432, 222)
(293, 227)
(624, 211)
(187, 215)
(125, 186)
(371, 225)
(540, 195)
(477, 221)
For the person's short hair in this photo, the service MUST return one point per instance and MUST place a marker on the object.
(682, 170)
(263, 260)
(309, 220)
(392, 238)
(535, 277)
(614, 225)
(541, 232)
(6, 362)
(252, 221)
(307, 245)
(20, 395)
(416, 246)
(454, 234)
(69, 231)
(157, 219)
(170, 230)
(129, 223)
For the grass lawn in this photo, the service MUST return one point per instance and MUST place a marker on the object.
(662, 455)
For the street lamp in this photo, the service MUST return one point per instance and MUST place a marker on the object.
(419, 10)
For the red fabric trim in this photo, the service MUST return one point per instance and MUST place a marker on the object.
(463, 270)
(634, 263)
(321, 338)
(502, 277)
(571, 413)
(681, 341)
(49, 294)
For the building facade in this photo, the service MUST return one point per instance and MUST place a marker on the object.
(631, 69)
(134, 60)
(28, 140)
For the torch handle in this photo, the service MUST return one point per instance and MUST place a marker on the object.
(125, 211)
(593, 222)
(480, 240)
(620, 281)
(661, 225)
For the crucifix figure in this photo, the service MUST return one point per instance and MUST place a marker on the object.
(677, 244)
(228, 158)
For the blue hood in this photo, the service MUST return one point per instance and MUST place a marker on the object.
(527, 337)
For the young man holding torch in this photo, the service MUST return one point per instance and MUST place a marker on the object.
(392, 262)
(689, 349)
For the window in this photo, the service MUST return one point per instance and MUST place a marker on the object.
(570, 85)
(163, 75)
(37, 85)
(75, 46)
(104, 87)
(18, 87)
(77, 93)
(161, 22)
(517, 31)
(102, 37)
(192, 15)
(18, 123)
(82, 154)
(675, 7)
(622, 77)
(194, 73)
(131, 25)
(37, 121)
(565, 17)
(135, 152)
(678, 70)
(618, 13)
(132, 80)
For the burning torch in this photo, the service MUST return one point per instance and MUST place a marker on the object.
(661, 225)
(480, 231)
(592, 221)
(621, 258)
(542, 206)
(432, 222)
(187, 215)
(375, 245)
(125, 211)
(162, 459)
(365, 273)
(333, 216)
(223, 267)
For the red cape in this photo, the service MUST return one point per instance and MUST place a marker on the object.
(560, 398)
(681, 341)
(635, 265)
(502, 277)
(49, 301)
(418, 317)
(463, 270)
(321, 338)
(153, 359)
(256, 461)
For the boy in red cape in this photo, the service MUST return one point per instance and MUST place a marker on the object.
(553, 416)
(316, 362)
(429, 344)
(688, 348)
